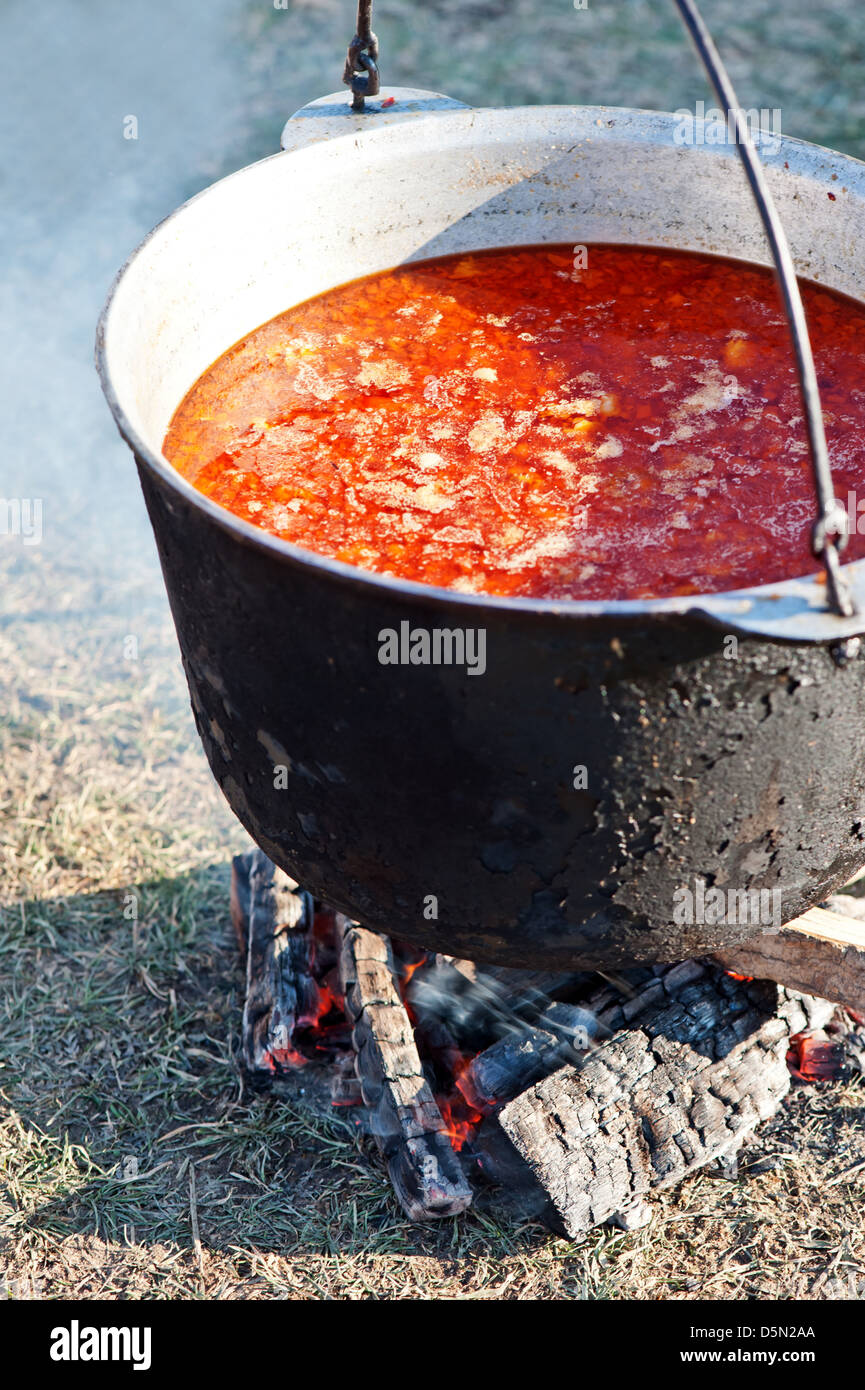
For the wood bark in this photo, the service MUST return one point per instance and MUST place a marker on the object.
(281, 992)
(696, 1060)
(525, 1055)
(819, 953)
(404, 1117)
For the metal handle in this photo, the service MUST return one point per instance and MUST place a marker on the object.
(829, 535)
(830, 531)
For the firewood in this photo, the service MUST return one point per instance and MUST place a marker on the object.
(483, 1003)
(818, 953)
(524, 1056)
(696, 1067)
(404, 1117)
(281, 993)
(241, 866)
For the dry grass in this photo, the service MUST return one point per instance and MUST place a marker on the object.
(121, 1003)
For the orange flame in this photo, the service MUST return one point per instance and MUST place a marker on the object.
(326, 1001)
(284, 1057)
(408, 969)
(460, 1119)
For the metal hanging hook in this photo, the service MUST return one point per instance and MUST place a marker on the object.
(830, 532)
(361, 72)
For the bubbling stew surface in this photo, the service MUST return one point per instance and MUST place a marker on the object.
(509, 423)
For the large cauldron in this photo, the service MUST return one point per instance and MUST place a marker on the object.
(427, 801)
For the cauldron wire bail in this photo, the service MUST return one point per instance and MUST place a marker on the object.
(830, 531)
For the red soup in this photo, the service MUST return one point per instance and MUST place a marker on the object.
(513, 422)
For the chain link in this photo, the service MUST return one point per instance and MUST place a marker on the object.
(361, 72)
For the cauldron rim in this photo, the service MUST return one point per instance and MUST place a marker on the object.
(788, 611)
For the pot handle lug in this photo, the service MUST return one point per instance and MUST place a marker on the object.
(794, 610)
(332, 116)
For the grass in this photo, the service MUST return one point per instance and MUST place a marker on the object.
(121, 1005)
(804, 60)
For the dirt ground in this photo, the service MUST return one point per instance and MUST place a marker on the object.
(121, 986)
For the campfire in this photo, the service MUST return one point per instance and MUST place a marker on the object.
(586, 1092)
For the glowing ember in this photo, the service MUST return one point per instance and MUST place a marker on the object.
(284, 1057)
(812, 1057)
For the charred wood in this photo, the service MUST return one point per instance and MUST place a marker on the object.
(526, 1055)
(477, 1005)
(404, 1117)
(697, 1060)
(281, 993)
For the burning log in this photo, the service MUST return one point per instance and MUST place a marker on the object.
(474, 1003)
(819, 953)
(274, 918)
(813, 1056)
(698, 1061)
(582, 1108)
(524, 1056)
(405, 1119)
